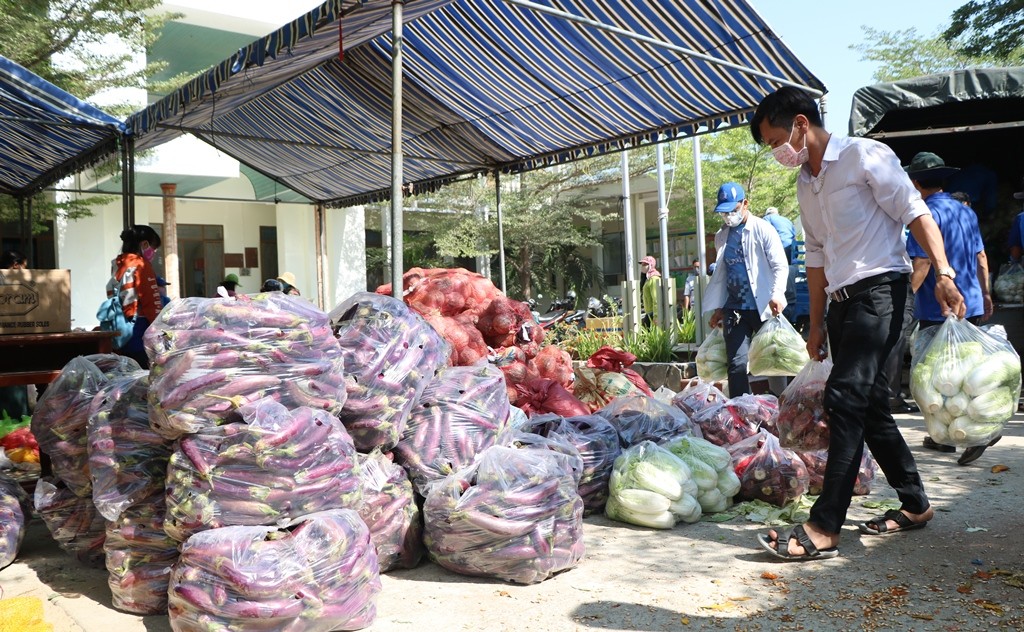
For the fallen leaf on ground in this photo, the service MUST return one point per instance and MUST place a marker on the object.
(725, 605)
(982, 575)
(989, 605)
(1000, 468)
(965, 589)
(769, 575)
(925, 617)
(685, 620)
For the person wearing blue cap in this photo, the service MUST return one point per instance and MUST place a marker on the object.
(749, 282)
(161, 286)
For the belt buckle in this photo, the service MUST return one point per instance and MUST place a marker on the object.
(840, 295)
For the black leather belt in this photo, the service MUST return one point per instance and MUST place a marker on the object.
(859, 287)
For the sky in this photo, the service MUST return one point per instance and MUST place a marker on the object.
(820, 33)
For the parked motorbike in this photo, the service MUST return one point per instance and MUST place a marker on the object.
(560, 310)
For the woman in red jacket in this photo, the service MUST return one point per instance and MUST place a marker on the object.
(140, 295)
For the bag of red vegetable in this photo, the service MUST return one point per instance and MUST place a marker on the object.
(72, 520)
(618, 361)
(460, 413)
(803, 422)
(447, 291)
(767, 471)
(697, 396)
(540, 395)
(513, 515)
(553, 363)
(597, 442)
(390, 511)
(62, 414)
(816, 461)
(759, 411)
(277, 466)
(723, 425)
(318, 575)
(127, 458)
(139, 557)
(390, 355)
(15, 512)
(210, 356)
(639, 418)
(21, 446)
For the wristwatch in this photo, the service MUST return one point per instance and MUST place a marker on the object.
(946, 272)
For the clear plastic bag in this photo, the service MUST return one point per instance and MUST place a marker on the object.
(139, 557)
(127, 458)
(597, 388)
(513, 515)
(211, 356)
(803, 421)
(72, 521)
(15, 512)
(767, 471)
(390, 355)
(278, 466)
(390, 511)
(652, 487)
(722, 424)
(1009, 284)
(967, 384)
(463, 411)
(817, 460)
(777, 349)
(641, 418)
(759, 411)
(699, 395)
(712, 358)
(61, 416)
(319, 575)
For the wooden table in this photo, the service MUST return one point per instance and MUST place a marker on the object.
(38, 358)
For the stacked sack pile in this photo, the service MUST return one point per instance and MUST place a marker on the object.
(481, 323)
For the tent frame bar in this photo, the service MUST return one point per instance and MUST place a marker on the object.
(947, 130)
(689, 52)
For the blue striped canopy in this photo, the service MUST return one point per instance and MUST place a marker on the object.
(487, 86)
(46, 133)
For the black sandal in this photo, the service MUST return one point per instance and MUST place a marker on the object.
(781, 548)
(878, 526)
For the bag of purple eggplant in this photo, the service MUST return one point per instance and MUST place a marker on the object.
(72, 521)
(767, 471)
(15, 512)
(597, 442)
(464, 410)
(697, 396)
(639, 418)
(817, 460)
(319, 574)
(390, 355)
(139, 556)
(61, 416)
(211, 356)
(276, 466)
(513, 515)
(127, 458)
(390, 511)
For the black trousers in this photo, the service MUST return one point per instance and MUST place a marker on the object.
(894, 364)
(862, 332)
(739, 327)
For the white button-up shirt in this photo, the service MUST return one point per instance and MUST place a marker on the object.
(767, 267)
(854, 212)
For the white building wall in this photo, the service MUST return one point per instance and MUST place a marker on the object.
(346, 253)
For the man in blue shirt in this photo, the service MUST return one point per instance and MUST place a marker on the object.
(965, 252)
(785, 229)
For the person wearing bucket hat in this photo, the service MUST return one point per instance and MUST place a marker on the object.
(855, 200)
(749, 282)
(962, 238)
(287, 280)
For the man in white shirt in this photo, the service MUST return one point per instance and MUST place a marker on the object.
(854, 200)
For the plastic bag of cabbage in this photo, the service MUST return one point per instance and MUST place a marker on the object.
(712, 359)
(711, 468)
(651, 487)
(777, 349)
(967, 384)
(1009, 285)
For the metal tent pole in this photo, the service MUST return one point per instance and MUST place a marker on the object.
(125, 188)
(666, 304)
(24, 231)
(30, 251)
(630, 294)
(501, 229)
(702, 255)
(397, 263)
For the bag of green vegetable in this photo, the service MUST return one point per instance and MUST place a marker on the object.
(712, 358)
(767, 471)
(319, 574)
(639, 418)
(513, 515)
(803, 421)
(1009, 285)
(967, 384)
(711, 467)
(390, 511)
(460, 413)
(697, 396)
(651, 487)
(777, 349)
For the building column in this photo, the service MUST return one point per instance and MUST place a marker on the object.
(170, 240)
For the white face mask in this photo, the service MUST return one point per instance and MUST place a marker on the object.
(789, 157)
(733, 219)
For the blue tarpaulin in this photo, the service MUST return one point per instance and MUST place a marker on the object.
(488, 86)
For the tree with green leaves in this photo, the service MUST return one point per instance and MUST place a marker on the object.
(993, 28)
(87, 48)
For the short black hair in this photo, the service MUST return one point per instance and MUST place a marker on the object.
(929, 182)
(961, 197)
(136, 234)
(11, 257)
(781, 107)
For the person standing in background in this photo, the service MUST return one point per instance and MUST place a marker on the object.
(13, 260)
(650, 291)
(161, 286)
(230, 285)
(287, 280)
(689, 285)
(749, 285)
(134, 277)
(785, 229)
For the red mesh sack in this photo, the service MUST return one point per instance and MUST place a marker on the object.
(541, 395)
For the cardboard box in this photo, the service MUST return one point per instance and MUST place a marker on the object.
(35, 301)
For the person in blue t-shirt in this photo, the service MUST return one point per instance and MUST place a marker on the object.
(785, 229)
(965, 251)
